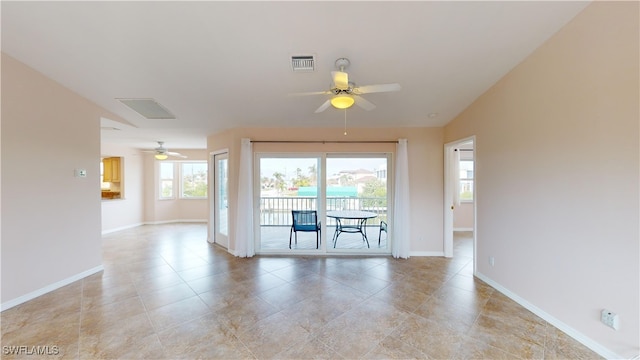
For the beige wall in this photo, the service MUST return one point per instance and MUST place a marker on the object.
(463, 217)
(50, 218)
(557, 165)
(425, 148)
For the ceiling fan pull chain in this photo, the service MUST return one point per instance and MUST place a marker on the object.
(345, 121)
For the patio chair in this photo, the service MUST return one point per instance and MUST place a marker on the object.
(306, 221)
(383, 227)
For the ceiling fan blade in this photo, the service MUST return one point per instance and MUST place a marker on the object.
(364, 103)
(326, 92)
(175, 154)
(368, 89)
(340, 79)
(324, 106)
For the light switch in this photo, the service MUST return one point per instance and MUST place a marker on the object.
(81, 172)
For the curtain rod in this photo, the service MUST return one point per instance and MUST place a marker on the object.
(463, 149)
(325, 142)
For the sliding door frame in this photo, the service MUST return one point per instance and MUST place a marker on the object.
(326, 247)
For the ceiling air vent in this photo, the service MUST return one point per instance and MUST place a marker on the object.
(149, 108)
(302, 63)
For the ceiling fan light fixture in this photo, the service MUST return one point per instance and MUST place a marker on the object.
(161, 156)
(342, 101)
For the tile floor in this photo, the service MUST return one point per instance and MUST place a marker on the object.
(166, 293)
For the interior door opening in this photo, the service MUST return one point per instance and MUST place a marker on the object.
(459, 202)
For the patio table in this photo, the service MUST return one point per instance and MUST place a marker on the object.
(357, 226)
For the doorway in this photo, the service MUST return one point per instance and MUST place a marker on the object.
(219, 200)
(459, 196)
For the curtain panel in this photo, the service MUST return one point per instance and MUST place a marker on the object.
(244, 237)
(401, 232)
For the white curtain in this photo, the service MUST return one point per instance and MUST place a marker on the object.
(244, 217)
(401, 229)
(456, 177)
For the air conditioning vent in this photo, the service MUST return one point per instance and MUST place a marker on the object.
(149, 108)
(302, 63)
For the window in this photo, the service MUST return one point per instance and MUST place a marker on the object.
(466, 180)
(188, 176)
(166, 180)
(193, 180)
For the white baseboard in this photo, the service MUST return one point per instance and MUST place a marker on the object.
(34, 294)
(426, 253)
(175, 221)
(573, 333)
(108, 231)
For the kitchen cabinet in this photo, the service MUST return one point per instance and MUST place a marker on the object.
(111, 169)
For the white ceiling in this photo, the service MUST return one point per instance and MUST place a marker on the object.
(219, 65)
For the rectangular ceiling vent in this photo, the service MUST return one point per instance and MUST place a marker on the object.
(148, 108)
(302, 63)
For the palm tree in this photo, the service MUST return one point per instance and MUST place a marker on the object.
(313, 172)
(280, 182)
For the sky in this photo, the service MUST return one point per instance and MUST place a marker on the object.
(268, 166)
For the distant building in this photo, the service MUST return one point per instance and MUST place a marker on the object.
(381, 172)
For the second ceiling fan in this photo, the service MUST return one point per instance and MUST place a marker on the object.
(162, 153)
(345, 93)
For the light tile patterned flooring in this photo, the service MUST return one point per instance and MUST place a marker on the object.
(166, 293)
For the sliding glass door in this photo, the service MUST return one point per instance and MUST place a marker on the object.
(349, 194)
(356, 206)
(220, 198)
(287, 184)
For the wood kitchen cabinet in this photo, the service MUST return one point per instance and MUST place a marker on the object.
(111, 169)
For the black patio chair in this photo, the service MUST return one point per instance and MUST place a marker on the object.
(306, 221)
(383, 227)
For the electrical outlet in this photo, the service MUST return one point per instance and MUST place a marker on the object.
(492, 260)
(610, 319)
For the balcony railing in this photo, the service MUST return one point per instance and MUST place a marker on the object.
(276, 211)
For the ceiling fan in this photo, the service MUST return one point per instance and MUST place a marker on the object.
(162, 153)
(345, 93)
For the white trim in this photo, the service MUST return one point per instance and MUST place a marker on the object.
(571, 332)
(220, 151)
(462, 229)
(213, 210)
(49, 288)
(109, 231)
(175, 221)
(426, 253)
